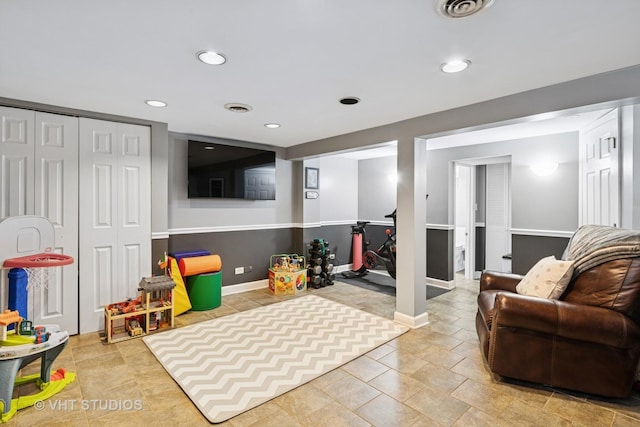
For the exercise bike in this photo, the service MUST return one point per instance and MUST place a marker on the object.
(370, 259)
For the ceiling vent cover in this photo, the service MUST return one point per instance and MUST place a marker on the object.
(238, 108)
(461, 8)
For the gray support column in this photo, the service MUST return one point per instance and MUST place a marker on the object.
(411, 291)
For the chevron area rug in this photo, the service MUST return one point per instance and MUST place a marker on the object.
(237, 362)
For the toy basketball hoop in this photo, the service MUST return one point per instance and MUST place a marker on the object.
(28, 245)
(38, 266)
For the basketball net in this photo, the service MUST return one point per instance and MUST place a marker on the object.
(37, 277)
(38, 267)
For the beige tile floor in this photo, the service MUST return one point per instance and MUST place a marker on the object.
(431, 376)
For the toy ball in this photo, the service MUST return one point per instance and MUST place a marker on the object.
(287, 279)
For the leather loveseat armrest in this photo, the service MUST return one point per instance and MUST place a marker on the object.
(497, 280)
(573, 321)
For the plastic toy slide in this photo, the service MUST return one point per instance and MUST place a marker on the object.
(181, 302)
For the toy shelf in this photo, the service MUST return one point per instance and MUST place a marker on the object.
(153, 311)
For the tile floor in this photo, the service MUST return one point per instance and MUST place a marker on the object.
(431, 376)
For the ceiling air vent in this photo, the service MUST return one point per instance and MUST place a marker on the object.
(238, 108)
(461, 8)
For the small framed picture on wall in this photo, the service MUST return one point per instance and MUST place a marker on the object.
(312, 178)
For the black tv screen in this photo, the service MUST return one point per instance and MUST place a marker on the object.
(227, 172)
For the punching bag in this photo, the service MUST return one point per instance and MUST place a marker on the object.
(356, 241)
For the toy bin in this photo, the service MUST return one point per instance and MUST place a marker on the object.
(287, 274)
(205, 291)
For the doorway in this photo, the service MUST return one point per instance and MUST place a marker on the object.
(465, 209)
(482, 212)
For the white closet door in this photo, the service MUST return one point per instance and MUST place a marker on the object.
(115, 219)
(16, 166)
(497, 215)
(56, 198)
(16, 172)
(39, 170)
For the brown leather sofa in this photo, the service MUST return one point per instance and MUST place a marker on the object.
(588, 340)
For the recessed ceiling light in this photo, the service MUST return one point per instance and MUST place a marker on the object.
(272, 125)
(349, 100)
(211, 58)
(455, 66)
(155, 103)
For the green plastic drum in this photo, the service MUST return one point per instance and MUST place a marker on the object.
(205, 291)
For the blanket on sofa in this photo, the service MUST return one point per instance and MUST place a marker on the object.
(592, 245)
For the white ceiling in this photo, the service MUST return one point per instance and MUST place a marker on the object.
(293, 60)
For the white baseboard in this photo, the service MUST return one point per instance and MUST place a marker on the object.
(343, 267)
(411, 321)
(438, 283)
(244, 287)
(264, 283)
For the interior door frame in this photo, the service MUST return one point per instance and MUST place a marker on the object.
(470, 221)
(470, 251)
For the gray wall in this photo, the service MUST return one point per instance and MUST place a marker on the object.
(542, 203)
(377, 190)
(336, 207)
(339, 192)
(243, 232)
(527, 250)
(538, 203)
(185, 213)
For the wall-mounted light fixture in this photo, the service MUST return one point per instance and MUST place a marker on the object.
(544, 169)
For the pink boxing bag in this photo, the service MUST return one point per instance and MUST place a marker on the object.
(357, 251)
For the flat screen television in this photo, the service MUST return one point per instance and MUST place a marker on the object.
(221, 171)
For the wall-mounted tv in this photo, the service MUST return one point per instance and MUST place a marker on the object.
(227, 172)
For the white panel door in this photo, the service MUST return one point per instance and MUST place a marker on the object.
(39, 170)
(134, 205)
(56, 198)
(16, 172)
(498, 208)
(115, 215)
(16, 164)
(599, 177)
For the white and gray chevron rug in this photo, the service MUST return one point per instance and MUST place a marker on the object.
(237, 362)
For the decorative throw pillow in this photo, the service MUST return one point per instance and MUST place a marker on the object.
(547, 279)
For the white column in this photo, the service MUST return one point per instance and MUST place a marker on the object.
(411, 291)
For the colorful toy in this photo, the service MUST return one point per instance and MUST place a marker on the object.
(134, 328)
(287, 274)
(41, 335)
(26, 328)
(148, 312)
(8, 318)
(28, 244)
